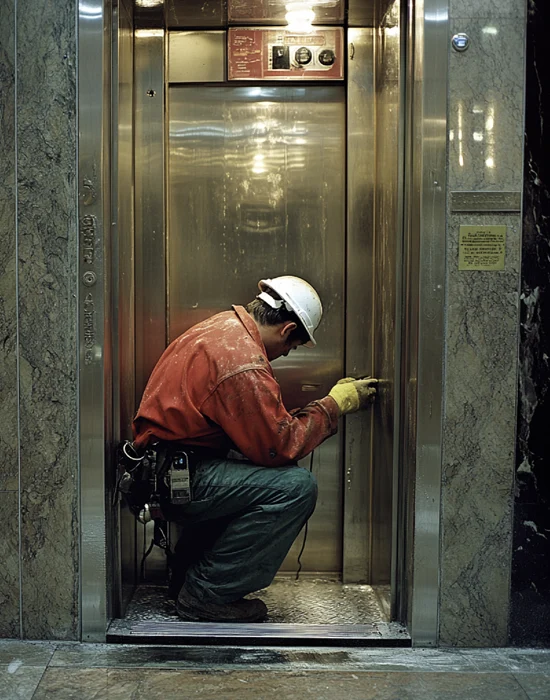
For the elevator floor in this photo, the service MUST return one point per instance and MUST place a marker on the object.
(307, 609)
(312, 601)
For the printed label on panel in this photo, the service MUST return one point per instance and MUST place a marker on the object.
(482, 247)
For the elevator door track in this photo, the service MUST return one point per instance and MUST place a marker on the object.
(310, 611)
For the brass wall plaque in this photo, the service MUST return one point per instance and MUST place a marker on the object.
(482, 247)
(485, 201)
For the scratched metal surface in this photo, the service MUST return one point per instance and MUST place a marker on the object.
(306, 601)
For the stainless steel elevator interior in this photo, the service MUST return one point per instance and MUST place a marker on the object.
(219, 180)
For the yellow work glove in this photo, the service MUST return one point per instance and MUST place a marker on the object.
(353, 394)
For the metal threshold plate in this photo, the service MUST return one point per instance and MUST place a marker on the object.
(381, 634)
(315, 611)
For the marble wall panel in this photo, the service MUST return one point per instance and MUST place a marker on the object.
(486, 107)
(479, 442)
(8, 305)
(47, 257)
(487, 8)
(530, 614)
(9, 556)
(485, 118)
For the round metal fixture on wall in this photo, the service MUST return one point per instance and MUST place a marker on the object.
(460, 42)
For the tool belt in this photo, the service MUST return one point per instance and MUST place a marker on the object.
(162, 472)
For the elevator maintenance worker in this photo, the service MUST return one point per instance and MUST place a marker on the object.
(212, 391)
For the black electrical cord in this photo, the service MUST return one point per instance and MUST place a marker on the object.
(305, 530)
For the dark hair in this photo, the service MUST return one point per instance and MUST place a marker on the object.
(265, 315)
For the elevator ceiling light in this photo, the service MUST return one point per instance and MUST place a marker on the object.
(149, 3)
(299, 17)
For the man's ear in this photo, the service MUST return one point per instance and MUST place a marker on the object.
(287, 329)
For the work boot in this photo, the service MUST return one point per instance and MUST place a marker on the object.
(244, 610)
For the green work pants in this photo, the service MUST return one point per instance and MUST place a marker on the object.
(240, 525)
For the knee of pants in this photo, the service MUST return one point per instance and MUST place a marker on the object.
(302, 487)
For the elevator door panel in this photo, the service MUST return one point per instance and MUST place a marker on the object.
(256, 189)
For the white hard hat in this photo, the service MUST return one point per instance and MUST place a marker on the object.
(296, 296)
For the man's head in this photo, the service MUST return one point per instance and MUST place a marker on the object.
(287, 312)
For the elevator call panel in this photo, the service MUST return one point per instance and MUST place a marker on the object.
(277, 54)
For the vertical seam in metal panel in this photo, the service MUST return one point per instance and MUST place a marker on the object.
(373, 291)
(343, 428)
(17, 338)
(165, 123)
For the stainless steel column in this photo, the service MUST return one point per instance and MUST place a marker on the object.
(423, 360)
(94, 400)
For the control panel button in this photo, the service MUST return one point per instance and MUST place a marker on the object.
(303, 56)
(327, 57)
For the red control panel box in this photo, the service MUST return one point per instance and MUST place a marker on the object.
(255, 53)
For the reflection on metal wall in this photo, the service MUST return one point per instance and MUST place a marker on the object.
(359, 301)
(256, 189)
(387, 253)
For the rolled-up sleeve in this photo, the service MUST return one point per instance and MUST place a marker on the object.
(248, 407)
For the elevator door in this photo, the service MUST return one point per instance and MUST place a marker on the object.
(256, 189)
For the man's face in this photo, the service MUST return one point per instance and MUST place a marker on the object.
(277, 344)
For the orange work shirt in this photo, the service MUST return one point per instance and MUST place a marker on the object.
(214, 387)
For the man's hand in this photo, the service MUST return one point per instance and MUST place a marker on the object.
(353, 394)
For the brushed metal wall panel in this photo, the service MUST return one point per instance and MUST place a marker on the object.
(181, 14)
(150, 267)
(256, 188)
(197, 57)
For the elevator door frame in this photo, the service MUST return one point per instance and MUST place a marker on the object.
(367, 484)
(425, 126)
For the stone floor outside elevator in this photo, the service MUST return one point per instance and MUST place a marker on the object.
(63, 670)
